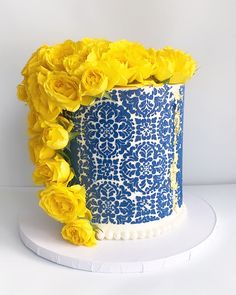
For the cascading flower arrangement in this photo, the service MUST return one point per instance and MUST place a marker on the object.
(64, 77)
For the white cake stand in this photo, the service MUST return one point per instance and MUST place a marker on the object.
(41, 234)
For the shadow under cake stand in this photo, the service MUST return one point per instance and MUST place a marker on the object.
(41, 234)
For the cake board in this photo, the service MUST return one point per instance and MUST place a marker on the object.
(41, 234)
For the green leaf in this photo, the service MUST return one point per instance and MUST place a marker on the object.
(106, 94)
(64, 156)
(73, 135)
(166, 81)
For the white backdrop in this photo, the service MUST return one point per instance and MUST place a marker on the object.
(204, 28)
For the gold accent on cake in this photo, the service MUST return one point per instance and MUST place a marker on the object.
(173, 172)
(174, 169)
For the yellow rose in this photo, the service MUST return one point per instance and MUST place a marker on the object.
(55, 136)
(134, 56)
(38, 151)
(79, 232)
(36, 61)
(93, 81)
(54, 55)
(174, 65)
(164, 69)
(38, 100)
(73, 62)
(116, 72)
(55, 170)
(62, 89)
(63, 203)
(36, 124)
(80, 193)
(87, 50)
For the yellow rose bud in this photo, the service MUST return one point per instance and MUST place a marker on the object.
(63, 203)
(93, 81)
(38, 151)
(55, 170)
(55, 136)
(62, 89)
(79, 232)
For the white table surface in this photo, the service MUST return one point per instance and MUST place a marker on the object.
(211, 270)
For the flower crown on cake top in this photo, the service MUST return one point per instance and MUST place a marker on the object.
(64, 77)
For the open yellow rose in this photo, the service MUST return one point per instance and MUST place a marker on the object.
(55, 55)
(63, 203)
(93, 81)
(35, 62)
(55, 170)
(72, 63)
(79, 232)
(116, 72)
(38, 100)
(174, 65)
(36, 124)
(62, 89)
(55, 136)
(87, 50)
(39, 151)
(134, 56)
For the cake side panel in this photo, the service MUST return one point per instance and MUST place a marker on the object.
(124, 152)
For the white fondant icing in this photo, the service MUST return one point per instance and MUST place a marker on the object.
(141, 231)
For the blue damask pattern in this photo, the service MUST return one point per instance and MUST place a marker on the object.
(143, 167)
(124, 152)
(113, 204)
(108, 129)
(147, 129)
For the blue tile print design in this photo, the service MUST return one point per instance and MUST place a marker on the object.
(143, 167)
(108, 129)
(112, 205)
(147, 129)
(124, 152)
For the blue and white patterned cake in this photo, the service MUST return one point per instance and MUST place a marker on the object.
(128, 155)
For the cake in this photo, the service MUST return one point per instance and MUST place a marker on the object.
(106, 136)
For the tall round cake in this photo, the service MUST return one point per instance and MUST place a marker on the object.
(105, 130)
(128, 155)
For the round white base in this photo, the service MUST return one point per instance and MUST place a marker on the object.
(42, 235)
